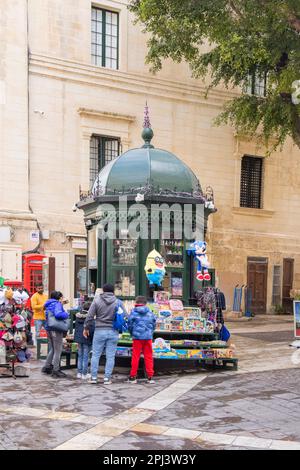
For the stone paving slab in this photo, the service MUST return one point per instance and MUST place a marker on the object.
(134, 441)
(73, 396)
(18, 432)
(250, 406)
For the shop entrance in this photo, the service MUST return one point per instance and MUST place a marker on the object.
(287, 284)
(257, 281)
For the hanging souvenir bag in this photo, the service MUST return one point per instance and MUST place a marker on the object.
(119, 322)
(224, 334)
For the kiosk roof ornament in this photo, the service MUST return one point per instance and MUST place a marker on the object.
(147, 134)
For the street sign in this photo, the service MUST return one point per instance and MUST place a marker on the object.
(35, 236)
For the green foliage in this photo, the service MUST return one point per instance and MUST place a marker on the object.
(228, 40)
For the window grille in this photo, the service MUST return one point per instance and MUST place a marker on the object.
(102, 151)
(251, 182)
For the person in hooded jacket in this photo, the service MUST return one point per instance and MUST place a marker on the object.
(141, 325)
(84, 344)
(103, 311)
(55, 338)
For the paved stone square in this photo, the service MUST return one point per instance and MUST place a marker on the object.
(257, 407)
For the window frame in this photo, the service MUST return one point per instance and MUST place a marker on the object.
(246, 199)
(101, 157)
(253, 80)
(104, 11)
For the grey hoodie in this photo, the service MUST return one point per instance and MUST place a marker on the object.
(103, 311)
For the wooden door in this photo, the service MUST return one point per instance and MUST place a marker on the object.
(257, 281)
(287, 284)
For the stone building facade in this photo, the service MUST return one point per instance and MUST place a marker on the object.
(62, 90)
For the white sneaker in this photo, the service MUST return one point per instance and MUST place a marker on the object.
(93, 381)
(107, 381)
(150, 380)
(79, 376)
(86, 377)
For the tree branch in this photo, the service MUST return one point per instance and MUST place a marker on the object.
(294, 22)
(235, 10)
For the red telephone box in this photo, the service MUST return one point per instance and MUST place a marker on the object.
(33, 271)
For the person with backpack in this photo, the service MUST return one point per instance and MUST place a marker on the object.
(103, 310)
(57, 325)
(141, 325)
(84, 344)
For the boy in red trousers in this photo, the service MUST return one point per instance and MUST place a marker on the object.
(141, 325)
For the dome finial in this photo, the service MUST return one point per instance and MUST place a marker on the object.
(146, 123)
(147, 133)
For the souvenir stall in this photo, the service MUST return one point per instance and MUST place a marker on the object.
(137, 189)
(14, 327)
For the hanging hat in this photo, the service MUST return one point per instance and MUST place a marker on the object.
(18, 338)
(8, 320)
(24, 296)
(9, 294)
(7, 336)
(24, 314)
(18, 322)
(21, 324)
(11, 356)
(17, 296)
(21, 355)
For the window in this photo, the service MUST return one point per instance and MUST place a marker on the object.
(80, 275)
(276, 294)
(102, 151)
(257, 83)
(105, 38)
(251, 182)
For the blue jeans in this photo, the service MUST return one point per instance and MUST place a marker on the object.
(108, 340)
(83, 358)
(38, 325)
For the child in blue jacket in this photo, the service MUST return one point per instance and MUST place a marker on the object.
(141, 325)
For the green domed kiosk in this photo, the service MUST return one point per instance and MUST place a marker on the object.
(144, 184)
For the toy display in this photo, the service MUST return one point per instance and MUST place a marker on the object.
(197, 249)
(176, 284)
(176, 304)
(162, 298)
(160, 345)
(155, 268)
(173, 252)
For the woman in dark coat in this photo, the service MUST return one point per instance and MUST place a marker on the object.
(84, 344)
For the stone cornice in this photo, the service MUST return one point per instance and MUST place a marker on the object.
(17, 215)
(250, 212)
(126, 81)
(105, 114)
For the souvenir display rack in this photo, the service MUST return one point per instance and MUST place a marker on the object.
(188, 339)
(14, 331)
